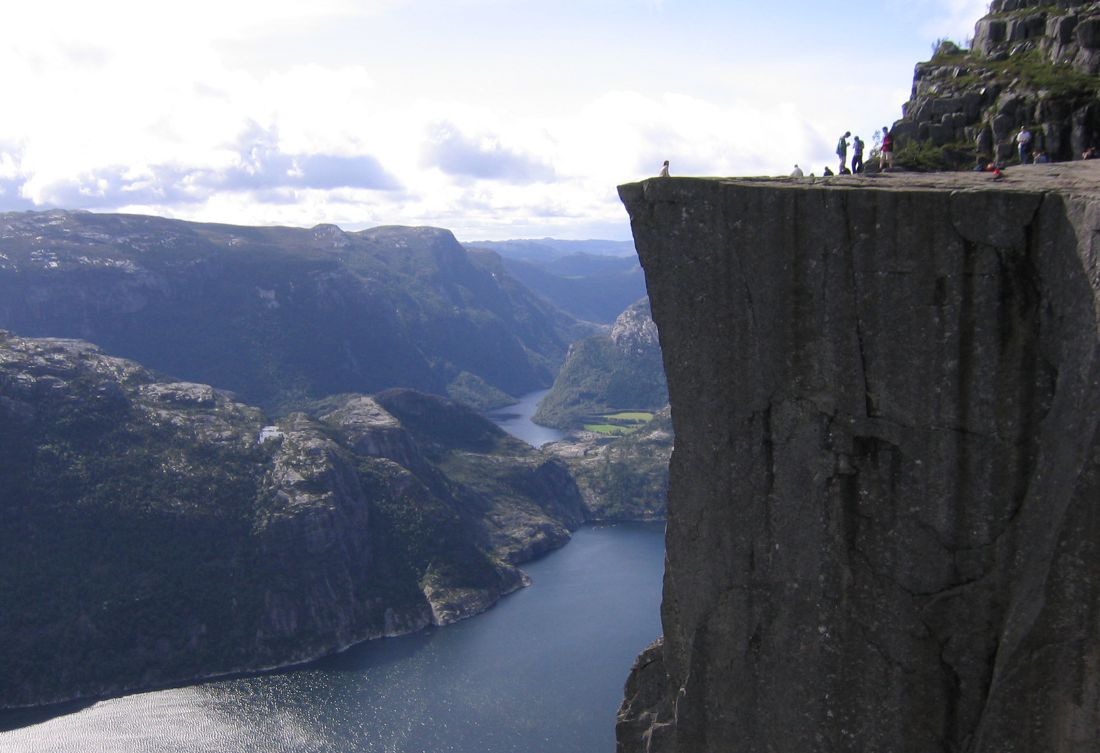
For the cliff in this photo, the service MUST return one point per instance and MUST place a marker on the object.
(1033, 63)
(155, 531)
(883, 511)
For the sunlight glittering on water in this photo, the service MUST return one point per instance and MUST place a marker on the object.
(540, 673)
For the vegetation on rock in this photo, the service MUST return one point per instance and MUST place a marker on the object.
(1032, 64)
(604, 374)
(156, 532)
(624, 478)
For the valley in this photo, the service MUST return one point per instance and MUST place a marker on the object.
(228, 537)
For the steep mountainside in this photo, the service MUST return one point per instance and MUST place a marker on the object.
(618, 371)
(884, 501)
(1033, 63)
(624, 477)
(280, 315)
(155, 531)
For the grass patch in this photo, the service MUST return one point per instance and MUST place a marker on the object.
(925, 157)
(619, 424)
(1023, 12)
(1034, 70)
(610, 430)
(1031, 69)
(630, 416)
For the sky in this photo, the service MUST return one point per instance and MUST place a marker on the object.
(495, 119)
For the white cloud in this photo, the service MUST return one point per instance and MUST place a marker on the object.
(126, 105)
(951, 19)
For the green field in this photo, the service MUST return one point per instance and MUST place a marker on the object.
(618, 424)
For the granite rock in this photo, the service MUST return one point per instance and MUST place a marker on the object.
(884, 500)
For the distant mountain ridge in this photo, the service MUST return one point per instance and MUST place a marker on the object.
(592, 280)
(545, 249)
(281, 315)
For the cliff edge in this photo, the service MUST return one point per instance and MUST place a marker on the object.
(884, 507)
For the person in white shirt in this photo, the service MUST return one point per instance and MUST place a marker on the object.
(797, 172)
(664, 170)
(1023, 143)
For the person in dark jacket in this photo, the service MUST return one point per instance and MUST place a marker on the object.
(857, 155)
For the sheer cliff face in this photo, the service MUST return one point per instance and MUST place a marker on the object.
(884, 510)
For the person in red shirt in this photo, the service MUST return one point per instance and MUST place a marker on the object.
(886, 156)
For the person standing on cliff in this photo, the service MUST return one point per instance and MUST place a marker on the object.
(842, 150)
(857, 155)
(886, 155)
(664, 170)
(1023, 143)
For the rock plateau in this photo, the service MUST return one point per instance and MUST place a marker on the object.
(884, 506)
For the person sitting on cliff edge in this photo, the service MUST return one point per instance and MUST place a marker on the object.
(664, 170)
(797, 172)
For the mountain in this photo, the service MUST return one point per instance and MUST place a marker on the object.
(544, 250)
(154, 531)
(883, 503)
(594, 284)
(281, 315)
(619, 371)
(1032, 63)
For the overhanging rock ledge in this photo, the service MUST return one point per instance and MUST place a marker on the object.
(884, 513)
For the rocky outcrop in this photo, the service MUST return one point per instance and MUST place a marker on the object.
(520, 502)
(1065, 32)
(618, 371)
(154, 532)
(883, 507)
(1032, 63)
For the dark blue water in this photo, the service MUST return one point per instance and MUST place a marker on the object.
(516, 420)
(542, 672)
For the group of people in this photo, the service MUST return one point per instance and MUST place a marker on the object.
(886, 153)
(885, 159)
(1025, 148)
(1025, 143)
